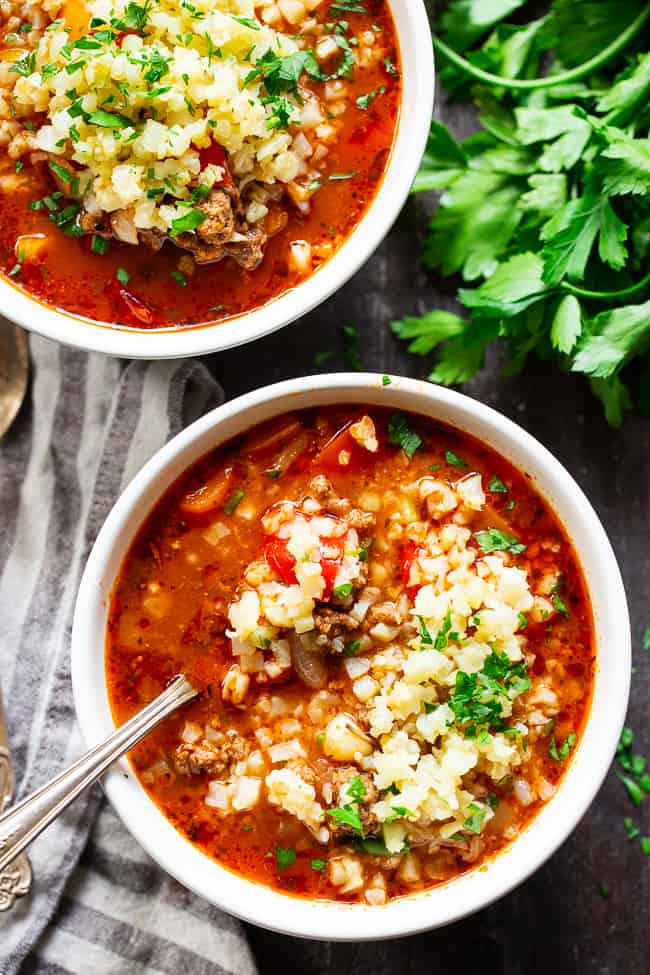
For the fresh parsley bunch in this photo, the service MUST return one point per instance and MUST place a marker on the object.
(545, 210)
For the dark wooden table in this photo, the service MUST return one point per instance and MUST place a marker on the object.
(557, 922)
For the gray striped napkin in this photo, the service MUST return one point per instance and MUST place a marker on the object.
(98, 904)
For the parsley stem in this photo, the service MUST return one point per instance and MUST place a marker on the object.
(609, 295)
(550, 81)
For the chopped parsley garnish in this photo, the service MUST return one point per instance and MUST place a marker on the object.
(399, 812)
(334, 177)
(444, 634)
(342, 591)
(474, 823)
(523, 620)
(477, 699)
(350, 649)
(247, 22)
(122, 275)
(494, 540)
(631, 830)
(390, 68)
(355, 788)
(386, 380)
(19, 165)
(59, 171)
(284, 857)
(497, 486)
(135, 17)
(375, 847)
(273, 474)
(188, 222)
(644, 843)
(233, 501)
(346, 6)
(401, 435)
(99, 245)
(179, 278)
(562, 753)
(633, 789)
(318, 865)
(108, 120)
(603, 891)
(558, 603)
(454, 460)
(363, 101)
(425, 635)
(347, 815)
(25, 66)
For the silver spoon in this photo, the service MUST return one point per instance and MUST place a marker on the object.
(14, 372)
(16, 880)
(22, 824)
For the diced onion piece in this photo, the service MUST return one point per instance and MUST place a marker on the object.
(292, 10)
(356, 666)
(286, 750)
(215, 532)
(191, 732)
(365, 688)
(217, 796)
(309, 665)
(246, 792)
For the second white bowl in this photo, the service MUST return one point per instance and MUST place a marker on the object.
(473, 890)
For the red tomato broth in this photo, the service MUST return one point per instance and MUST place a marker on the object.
(64, 274)
(143, 653)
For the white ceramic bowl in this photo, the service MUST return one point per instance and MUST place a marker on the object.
(417, 104)
(473, 890)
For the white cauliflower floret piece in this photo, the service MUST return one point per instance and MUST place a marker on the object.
(297, 797)
(363, 431)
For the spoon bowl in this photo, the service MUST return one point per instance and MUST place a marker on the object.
(14, 372)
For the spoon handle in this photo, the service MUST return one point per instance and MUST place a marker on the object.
(23, 823)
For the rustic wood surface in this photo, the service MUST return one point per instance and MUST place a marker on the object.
(557, 921)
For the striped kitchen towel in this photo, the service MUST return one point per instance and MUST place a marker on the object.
(98, 904)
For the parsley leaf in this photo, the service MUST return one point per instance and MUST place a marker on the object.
(474, 823)
(454, 460)
(562, 753)
(108, 120)
(495, 540)
(497, 486)
(401, 435)
(284, 858)
(545, 208)
(347, 815)
(443, 160)
(233, 501)
(188, 222)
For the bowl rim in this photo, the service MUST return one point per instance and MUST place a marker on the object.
(416, 108)
(471, 891)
